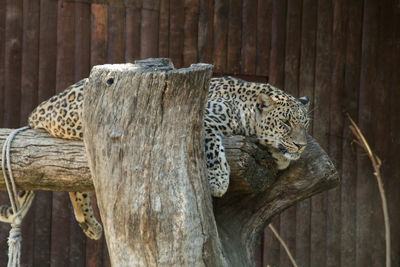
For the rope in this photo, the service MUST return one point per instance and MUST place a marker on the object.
(15, 238)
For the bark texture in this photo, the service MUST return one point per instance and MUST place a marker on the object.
(144, 141)
(145, 145)
(42, 162)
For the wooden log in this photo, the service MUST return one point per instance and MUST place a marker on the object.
(152, 162)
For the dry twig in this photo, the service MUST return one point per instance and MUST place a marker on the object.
(376, 164)
(283, 244)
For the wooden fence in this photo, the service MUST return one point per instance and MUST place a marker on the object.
(344, 54)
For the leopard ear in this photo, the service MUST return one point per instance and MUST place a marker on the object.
(265, 103)
(305, 100)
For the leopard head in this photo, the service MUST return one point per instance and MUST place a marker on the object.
(282, 122)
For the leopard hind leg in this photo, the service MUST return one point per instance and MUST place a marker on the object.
(84, 214)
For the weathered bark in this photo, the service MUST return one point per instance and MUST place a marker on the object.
(144, 141)
(42, 162)
(145, 145)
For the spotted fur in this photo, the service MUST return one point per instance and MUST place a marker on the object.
(236, 107)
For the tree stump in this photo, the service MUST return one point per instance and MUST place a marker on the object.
(144, 140)
(143, 132)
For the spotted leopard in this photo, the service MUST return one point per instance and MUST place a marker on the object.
(234, 107)
(278, 120)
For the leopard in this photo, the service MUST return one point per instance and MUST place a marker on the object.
(278, 120)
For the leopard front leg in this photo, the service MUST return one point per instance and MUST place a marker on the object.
(218, 169)
(84, 214)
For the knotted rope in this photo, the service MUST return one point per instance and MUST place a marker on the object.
(15, 238)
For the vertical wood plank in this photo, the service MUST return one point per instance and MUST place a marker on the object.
(149, 29)
(277, 62)
(206, 33)
(2, 59)
(60, 224)
(13, 58)
(271, 253)
(47, 49)
(292, 60)
(321, 118)
(366, 185)
(65, 45)
(349, 159)
(82, 69)
(163, 36)
(176, 31)
(82, 40)
(381, 125)
(99, 36)
(61, 219)
(234, 37)
(249, 37)
(94, 248)
(4, 228)
(306, 87)
(42, 221)
(190, 32)
(221, 12)
(30, 58)
(99, 39)
(264, 21)
(293, 46)
(333, 241)
(393, 183)
(116, 34)
(132, 39)
(46, 88)
(29, 88)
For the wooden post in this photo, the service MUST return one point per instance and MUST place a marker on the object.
(144, 141)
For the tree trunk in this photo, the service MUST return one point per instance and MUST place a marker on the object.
(145, 147)
(144, 141)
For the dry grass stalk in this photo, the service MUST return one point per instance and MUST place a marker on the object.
(376, 164)
(283, 244)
